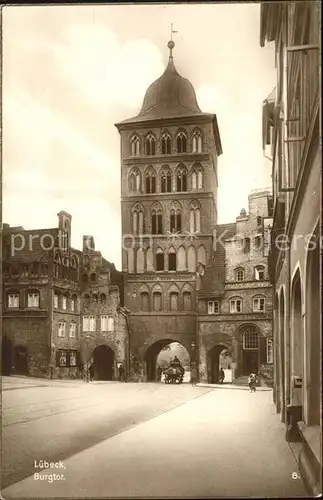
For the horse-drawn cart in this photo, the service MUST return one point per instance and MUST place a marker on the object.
(174, 373)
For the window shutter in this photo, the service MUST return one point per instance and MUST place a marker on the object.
(263, 349)
(57, 358)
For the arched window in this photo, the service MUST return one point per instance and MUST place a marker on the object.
(144, 301)
(86, 299)
(174, 301)
(197, 140)
(181, 142)
(235, 305)
(175, 220)
(131, 261)
(103, 298)
(259, 273)
(166, 144)
(250, 338)
(181, 179)
(197, 177)
(191, 259)
(150, 260)
(201, 255)
(72, 332)
(74, 269)
(258, 242)
(187, 301)
(140, 260)
(150, 145)
(95, 298)
(135, 145)
(246, 245)
(160, 260)
(134, 181)
(56, 299)
(258, 304)
(195, 218)
(150, 180)
(171, 260)
(181, 259)
(157, 301)
(33, 297)
(156, 220)
(61, 329)
(137, 219)
(239, 274)
(13, 299)
(166, 180)
(74, 303)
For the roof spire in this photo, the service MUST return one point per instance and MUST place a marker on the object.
(171, 44)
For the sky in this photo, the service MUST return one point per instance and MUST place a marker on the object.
(71, 72)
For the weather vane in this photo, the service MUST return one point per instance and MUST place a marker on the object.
(172, 31)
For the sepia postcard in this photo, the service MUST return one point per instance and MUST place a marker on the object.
(161, 250)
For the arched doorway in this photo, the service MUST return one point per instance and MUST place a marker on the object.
(103, 360)
(253, 346)
(160, 353)
(297, 338)
(6, 355)
(218, 355)
(20, 360)
(313, 336)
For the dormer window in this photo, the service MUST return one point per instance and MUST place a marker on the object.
(259, 273)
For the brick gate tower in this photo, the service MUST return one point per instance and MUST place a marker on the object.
(169, 214)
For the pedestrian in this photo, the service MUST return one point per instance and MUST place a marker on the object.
(159, 373)
(221, 376)
(121, 373)
(91, 372)
(252, 382)
(193, 375)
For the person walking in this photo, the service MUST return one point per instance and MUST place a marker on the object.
(252, 382)
(91, 372)
(221, 376)
(193, 376)
(121, 373)
(159, 373)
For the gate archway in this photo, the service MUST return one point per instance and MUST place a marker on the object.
(152, 353)
(20, 360)
(213, 362)
(103, 360)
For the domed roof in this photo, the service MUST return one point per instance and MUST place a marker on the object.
(170, 95)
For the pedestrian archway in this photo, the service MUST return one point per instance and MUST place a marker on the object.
(103, 360)
(20, 360)
(6, 355)
(218, 355)
(159, 354)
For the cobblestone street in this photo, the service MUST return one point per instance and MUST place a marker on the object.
(143, 440)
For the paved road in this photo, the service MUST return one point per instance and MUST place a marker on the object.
(53, 420)
(219, 443)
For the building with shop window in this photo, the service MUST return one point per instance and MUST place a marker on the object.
(291, 135)
(235, 296)
(49, 291)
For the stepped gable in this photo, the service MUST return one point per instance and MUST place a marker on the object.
(213, 280)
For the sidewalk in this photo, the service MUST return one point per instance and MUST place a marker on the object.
(232, 386)
(221, 444)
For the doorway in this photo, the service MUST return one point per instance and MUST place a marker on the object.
(103, 360)
(20, 360)
(214, 362)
